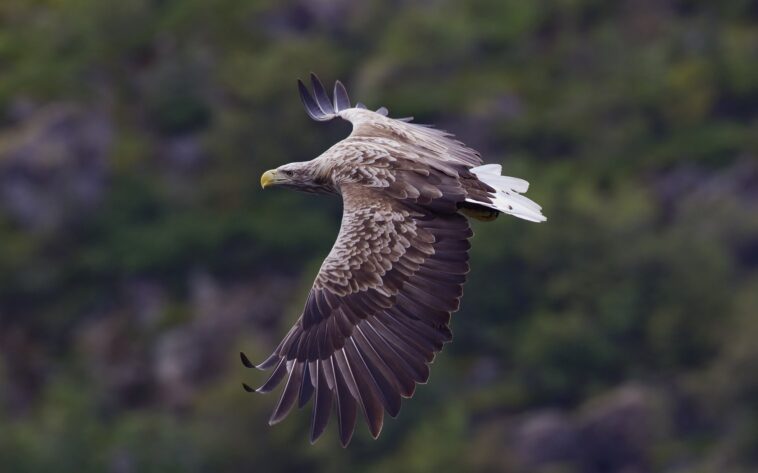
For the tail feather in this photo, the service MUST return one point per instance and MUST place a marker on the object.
(491, 172)
(507, 197)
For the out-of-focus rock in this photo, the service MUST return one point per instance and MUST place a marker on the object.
(147, 352)
(194, 353)
(54, 166)
(259, 301)
(19, 109)
(147, 299)
(116, 359)
(183, 153)
(22, 369)
(332, 15)
(618, 431)
(180, 360)
(484, 371)
(689, 189)
(544, 438)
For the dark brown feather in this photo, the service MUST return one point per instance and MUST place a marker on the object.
(322, 404)
(276, 377)
(346, 406)
(370, 397)
(289, 395)
(306, 388)
(384, 378)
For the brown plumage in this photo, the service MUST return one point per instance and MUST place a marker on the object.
(380, 307)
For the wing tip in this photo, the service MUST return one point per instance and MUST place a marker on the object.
(341, 97)
(321, 108)
(375, 434)
(344, 442)
(246, 361)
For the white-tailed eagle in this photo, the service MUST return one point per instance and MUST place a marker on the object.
(379, 309)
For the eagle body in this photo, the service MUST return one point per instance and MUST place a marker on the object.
(379, 309)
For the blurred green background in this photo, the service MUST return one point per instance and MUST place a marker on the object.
(138, 254)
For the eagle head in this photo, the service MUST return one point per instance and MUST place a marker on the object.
(299, 176)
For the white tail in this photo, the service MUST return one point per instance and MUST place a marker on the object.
(507, 197)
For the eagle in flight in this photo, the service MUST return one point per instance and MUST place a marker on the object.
(379, 309)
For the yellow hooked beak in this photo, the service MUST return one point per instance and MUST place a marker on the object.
(268, 178)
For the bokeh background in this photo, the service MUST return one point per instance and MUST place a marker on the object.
(138, 254)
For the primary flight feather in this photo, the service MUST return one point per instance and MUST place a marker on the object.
(380, 306)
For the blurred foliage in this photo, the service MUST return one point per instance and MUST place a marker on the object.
(635, 122)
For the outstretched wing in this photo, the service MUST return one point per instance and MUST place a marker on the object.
(377, 314)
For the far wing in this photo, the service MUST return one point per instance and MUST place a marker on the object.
(422, 142)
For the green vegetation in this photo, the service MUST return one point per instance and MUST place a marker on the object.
(138, 254)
